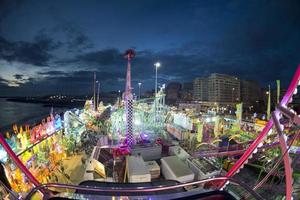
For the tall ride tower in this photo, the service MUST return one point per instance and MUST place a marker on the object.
(129, 54)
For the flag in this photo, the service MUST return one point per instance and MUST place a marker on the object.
(239, 111)
(278, 90)
(269, 104)
(216, 128)
(199, 132)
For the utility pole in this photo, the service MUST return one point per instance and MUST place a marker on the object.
(94, 91)
(98, 94)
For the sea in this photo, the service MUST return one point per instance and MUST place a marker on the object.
(23, 113)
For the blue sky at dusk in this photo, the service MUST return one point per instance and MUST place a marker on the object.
(55, 46)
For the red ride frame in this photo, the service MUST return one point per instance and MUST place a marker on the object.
(285, 100)
(18, 162)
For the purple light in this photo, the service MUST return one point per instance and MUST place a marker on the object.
(144, 135)
(145, 138)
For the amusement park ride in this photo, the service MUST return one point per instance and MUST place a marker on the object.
(128, 130)
(129, 54)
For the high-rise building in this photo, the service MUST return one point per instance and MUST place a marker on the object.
(223, 88)
(250, 91)
(200, 89)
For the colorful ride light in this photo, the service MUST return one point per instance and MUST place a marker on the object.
(145, 137)
(49, 127)
(3, 155)
(124, 150)
(58, 123)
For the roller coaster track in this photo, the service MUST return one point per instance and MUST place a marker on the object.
(233, 150)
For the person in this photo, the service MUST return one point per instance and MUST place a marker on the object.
(3, 177)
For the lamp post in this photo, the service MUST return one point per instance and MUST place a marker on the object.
(94, 91)
(98, 95)
(157, 65)
(232, 94)
(119, 97)
(139, 90)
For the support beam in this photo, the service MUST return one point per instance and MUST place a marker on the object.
(286, 158)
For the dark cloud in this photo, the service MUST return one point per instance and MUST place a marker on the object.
(53, 73)
(19, 76)
(181, 65)
(256, 40)
(44, 41)
(35, 53)
(102, 57)
(76, 41)
(79, 82)
(85, 76)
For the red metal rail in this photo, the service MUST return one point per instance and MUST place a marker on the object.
(241, 151)
(285, 100)
(141, 190)
(18, 162)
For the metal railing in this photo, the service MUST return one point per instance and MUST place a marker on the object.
(13, 195)
(131, 191)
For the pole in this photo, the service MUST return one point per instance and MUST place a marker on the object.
(95, 91)
(232, 99)
(278, 90)
(98, 94)
(157, 65)
(140, 90)
(155, 93)
(119, 98)
(155, 81)
(269, 104)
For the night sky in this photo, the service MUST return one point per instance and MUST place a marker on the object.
(51, 47)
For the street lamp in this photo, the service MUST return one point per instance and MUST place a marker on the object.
(97, 82)
(119, 96)
(157, 65)
(232, 94)
(139, 90)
